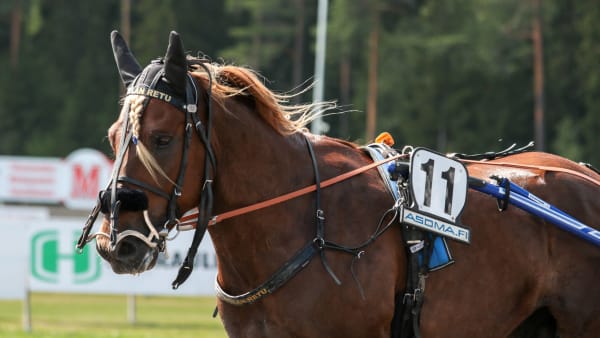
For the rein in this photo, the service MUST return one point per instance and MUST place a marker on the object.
(188, 221)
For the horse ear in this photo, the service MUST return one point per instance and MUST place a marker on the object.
(176, 64)
(128, 66)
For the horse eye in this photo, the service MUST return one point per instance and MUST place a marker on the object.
(162, 141)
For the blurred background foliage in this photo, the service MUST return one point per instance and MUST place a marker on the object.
(453, 75)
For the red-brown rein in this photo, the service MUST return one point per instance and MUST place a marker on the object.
(190, 218)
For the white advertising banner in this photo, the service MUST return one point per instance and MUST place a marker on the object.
(39, 253)
(56, 266)
(74, 181)
(32, 180)
(14, 251)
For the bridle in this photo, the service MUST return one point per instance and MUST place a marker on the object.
(151, 83)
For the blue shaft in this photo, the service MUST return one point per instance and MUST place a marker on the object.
(525, 200)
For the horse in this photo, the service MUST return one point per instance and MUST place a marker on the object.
(301, 258)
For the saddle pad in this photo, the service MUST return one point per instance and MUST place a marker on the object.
(440, 255)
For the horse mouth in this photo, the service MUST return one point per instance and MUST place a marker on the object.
(129, 256)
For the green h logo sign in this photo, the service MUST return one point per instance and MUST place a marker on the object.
(46, 257)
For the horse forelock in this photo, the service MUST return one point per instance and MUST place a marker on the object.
(136, 107)
(274, 108)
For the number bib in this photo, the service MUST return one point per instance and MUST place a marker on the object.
(438, 186)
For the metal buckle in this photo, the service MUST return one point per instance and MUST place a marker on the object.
(191, 108)
(319, 242)
(412, 296)
(172, 223)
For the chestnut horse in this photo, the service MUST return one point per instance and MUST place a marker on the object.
(197, 134)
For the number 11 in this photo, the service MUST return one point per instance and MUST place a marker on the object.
(447, 175)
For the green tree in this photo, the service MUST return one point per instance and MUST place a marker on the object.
(50, 104)
(454, 75)
(272, 37)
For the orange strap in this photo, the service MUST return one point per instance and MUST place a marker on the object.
(539, 167)
(190, 219)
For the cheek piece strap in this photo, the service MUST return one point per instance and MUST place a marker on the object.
(127, 200)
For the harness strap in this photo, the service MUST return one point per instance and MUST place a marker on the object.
(189, 219)
(285, 273)
(114, 209)
(319, 240)
(206, 196)
(172, 208)
(129, 180)
(125, 139)
(415, 241)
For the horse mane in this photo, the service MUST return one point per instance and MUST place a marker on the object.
(230, 81)
(274, 108)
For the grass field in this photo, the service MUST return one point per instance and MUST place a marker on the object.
(89, 316)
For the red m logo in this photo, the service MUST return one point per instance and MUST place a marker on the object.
(85, 184)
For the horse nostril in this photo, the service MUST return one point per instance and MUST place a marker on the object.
(132, 255)
(126, 249)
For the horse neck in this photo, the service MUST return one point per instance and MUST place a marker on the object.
(256, 163)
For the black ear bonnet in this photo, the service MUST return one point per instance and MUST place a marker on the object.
(165, 78)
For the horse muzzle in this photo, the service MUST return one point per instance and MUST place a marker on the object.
(130, 255)
(128, 250)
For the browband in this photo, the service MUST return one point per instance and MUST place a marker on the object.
(158, 93)
(151, 82)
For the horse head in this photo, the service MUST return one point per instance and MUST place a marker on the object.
(151, 140)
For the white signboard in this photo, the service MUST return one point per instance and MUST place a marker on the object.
(14, 251)
(32, 180)
(57, 267)
(87, 171)
(39, 253)
(74, 181)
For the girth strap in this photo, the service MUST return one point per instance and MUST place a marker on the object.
(415, 241)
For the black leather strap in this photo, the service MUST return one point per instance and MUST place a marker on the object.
(206, 196)
(280, 277)
(143, 185)
(319, 239)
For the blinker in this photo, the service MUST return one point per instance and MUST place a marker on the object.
(131, 200)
